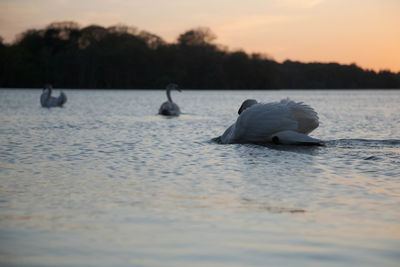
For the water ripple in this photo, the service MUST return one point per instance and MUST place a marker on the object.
(109, 182)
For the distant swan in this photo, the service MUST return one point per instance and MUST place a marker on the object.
(48, 101)
(284, 122)
(169, 108)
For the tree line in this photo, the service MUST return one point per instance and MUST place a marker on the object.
(122, 57)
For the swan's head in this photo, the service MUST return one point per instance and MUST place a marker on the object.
(47, 87)
(173, 86)
(246, 104)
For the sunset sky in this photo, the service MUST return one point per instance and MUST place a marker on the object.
(365, 32)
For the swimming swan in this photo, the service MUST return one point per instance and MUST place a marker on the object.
(169, 108)
(48, 101)
(284, 122)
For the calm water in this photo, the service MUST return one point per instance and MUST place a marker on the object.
(105, 181)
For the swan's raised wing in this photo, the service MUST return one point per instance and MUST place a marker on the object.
(305, 116)
(259, 122)
(62, 99)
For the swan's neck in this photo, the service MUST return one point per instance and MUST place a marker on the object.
(169, 95)
(47, 92)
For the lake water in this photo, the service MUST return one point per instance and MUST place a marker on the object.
(105, 181)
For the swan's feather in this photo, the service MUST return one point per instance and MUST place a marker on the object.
(48, 101)
(259, 123)
(305, 115)
(43, 99)
(169, 108)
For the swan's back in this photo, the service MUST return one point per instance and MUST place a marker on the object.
(169, 109)
(258, 123)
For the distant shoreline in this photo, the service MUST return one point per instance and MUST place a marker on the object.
(67, 56)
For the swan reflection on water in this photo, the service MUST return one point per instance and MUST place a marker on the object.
(48, 101)
(285, 122)
(169, 108)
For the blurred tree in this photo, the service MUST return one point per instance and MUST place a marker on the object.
(197, 37)
(124, 57)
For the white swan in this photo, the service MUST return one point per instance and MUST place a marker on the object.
(169, 108)
(48, 101)
(284, 122)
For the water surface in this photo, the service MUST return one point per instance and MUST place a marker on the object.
(105, 181)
